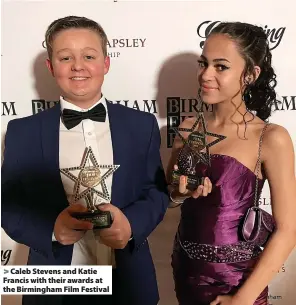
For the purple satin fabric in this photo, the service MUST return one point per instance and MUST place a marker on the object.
(215, 220)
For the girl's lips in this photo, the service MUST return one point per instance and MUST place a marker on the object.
(207, 89)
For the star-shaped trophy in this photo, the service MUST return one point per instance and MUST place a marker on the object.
(86, 180)
(195, 151)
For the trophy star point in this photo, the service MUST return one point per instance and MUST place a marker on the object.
(77, 193)
(203, 156)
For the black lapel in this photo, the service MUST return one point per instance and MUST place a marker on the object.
(50, 131)
(121, 153)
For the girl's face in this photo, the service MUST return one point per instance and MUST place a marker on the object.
(221, 68)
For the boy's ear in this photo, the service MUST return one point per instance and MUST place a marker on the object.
(49, 66)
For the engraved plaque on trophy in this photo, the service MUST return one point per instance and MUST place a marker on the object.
(88, 178)
(194, 151)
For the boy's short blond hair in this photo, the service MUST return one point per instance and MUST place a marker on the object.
(73, 22)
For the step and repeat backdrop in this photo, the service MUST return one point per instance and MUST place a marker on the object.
(154, 47)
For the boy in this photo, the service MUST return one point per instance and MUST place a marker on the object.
(37, 199)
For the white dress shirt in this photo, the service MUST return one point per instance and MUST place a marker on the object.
(88, 250)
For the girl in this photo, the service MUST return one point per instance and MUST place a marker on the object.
(212, 263)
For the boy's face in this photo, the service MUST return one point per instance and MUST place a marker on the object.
(78, 65)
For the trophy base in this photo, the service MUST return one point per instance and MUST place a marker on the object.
(100, 219)
(192, 181)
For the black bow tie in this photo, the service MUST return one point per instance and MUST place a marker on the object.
(71, 118)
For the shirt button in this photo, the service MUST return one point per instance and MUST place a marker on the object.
(89, 133)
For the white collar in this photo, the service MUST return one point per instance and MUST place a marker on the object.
(68, 105)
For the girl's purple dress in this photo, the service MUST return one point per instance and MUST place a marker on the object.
(210, 258)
